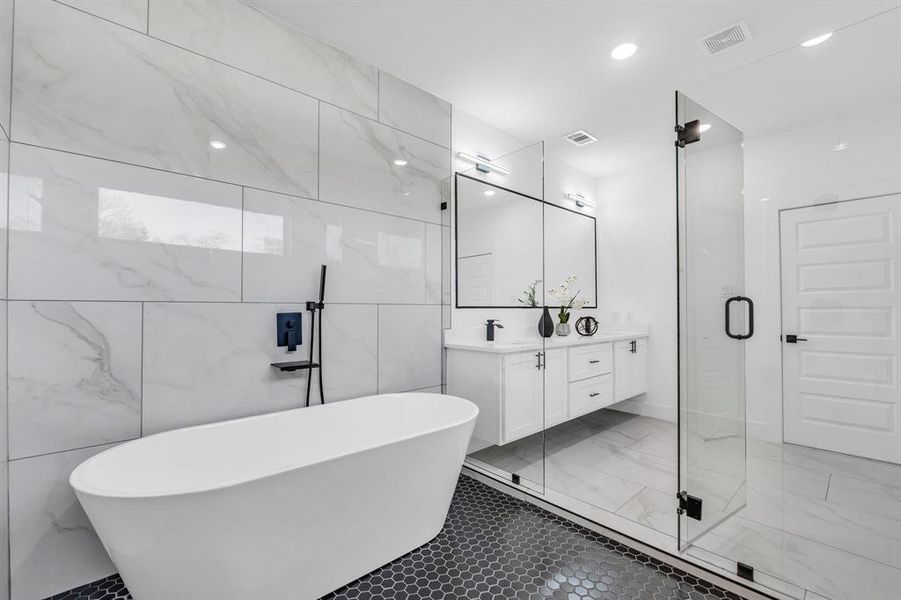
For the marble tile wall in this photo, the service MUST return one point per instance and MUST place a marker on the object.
(146, 267)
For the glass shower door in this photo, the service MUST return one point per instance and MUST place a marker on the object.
(715, 317)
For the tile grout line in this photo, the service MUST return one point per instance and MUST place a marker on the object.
(219, 181)
(260, 77)
(142, 369)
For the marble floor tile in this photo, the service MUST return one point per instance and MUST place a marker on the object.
(128, 13)
(653, 509)
(855, 531)
(594, 486)
(787, 478)
(371, 257)
(79, 81)
(865, 495)
(6, 41)
(823, 569)
(230, 30)
(74, 375)
(53, 547)
(368, 150)
(842, 464)
(89, 229)
(408, 108)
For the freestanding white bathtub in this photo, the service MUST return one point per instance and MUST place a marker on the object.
(289, 505)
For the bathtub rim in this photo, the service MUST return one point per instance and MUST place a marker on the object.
(77, 479)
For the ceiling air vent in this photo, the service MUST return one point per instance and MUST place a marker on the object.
(730, 37)
(580, 138)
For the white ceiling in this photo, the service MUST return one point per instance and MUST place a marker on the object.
(540, 69)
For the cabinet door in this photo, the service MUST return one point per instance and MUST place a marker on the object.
(630, 368)
(522, 410)
(555, 387)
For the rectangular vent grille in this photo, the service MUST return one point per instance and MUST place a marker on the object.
(730, 37)
(580, 138)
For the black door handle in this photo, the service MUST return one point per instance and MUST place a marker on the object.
(791, 338)
(739, 336)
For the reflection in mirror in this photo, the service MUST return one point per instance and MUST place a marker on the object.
(569, 252)
(498, 244)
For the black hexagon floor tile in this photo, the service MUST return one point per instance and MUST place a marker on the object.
(494, 546)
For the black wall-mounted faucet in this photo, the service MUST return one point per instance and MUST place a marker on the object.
(491, 326)
(288, 330)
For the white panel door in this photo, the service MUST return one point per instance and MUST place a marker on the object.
(841, 264)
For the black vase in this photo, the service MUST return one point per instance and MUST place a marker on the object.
(546, 324)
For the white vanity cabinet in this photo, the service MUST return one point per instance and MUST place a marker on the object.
(631, 360)
(522, 389)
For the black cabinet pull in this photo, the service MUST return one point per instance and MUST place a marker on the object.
(593, 362)
(739, 336)
(593, 394)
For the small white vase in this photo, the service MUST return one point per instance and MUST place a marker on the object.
(563, 329)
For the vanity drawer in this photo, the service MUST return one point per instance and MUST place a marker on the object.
(590, 394)
(590, 361)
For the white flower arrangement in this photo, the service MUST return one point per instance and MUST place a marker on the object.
(567, 300)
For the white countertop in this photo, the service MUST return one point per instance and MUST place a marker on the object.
(504, 345)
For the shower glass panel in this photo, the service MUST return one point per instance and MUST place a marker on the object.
(822, 146)
(499, 273)
(715, 317)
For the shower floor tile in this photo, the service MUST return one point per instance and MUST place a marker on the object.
(496, 546)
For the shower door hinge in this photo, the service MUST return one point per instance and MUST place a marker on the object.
(515, 478)
(745, 571)
(689, 505)
(688, 134)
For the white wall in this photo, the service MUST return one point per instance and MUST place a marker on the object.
(159, 311)
(637, 221)
(798, 167)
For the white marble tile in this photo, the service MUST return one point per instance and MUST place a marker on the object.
(88, 229)
(4, 531)
(434, 276)
(349, 351)
(210, 362)
(823, 569)
(53, 547)
(866, 534)
(4, 208)
(408, 108)
(371, 258)
(409, 347)
(88, 86)
(74, 375)
(128, 13)
(594, 486)
(6, 49)
(232, 31)
(653, 509)
(865, 495)
(357, 167)
(842, 464)
(788, 478)
(4, 392)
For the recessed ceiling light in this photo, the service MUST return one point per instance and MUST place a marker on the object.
(216, 144)
(764, 199)
(623, 51)
(705, 127)
(840, 146)
(400, 162)
(817, 40)
(489, 192)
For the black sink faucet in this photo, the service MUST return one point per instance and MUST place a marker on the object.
(491, 326)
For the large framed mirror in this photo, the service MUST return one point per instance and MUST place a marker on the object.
(502, 239)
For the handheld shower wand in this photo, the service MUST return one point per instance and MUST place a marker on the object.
(313, 307)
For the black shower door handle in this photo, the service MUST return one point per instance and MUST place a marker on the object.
(739, 336)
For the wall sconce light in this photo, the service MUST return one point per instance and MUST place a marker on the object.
(580, 200)
(483, 163)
